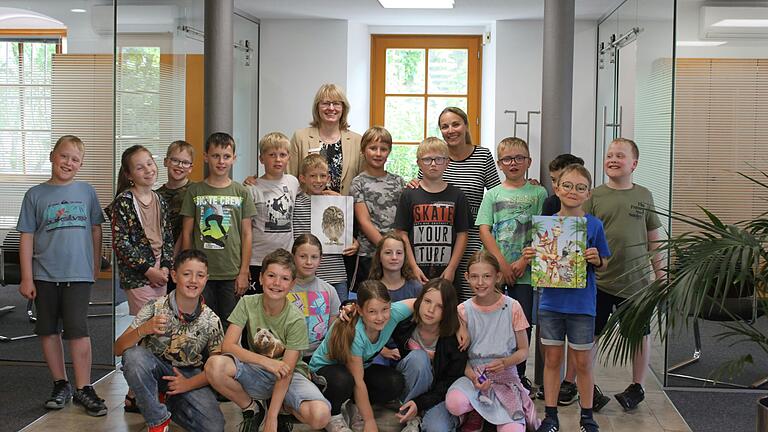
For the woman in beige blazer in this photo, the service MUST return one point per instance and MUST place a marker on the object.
(329, 135)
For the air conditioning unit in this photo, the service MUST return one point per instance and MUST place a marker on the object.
(134, 18)
(720, 22)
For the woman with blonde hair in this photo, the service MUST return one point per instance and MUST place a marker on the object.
(329, 135)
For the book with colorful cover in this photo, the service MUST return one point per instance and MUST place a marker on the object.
(560, 242)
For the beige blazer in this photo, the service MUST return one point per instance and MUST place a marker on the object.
(304, 140)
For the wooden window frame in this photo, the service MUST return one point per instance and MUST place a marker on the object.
(473, 43)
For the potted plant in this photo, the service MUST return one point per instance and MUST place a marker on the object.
(706, 268)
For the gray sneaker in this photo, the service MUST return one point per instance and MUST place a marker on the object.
(93, 404)
(60, 395)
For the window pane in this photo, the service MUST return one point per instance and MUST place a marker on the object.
(402, 161)
(404, 118)
(37, 62)
(448, 71)
(435, 105)
(11, 148)
(36, 150)
(10, 108)
(37, 107)
(405, 71)
(9, 63)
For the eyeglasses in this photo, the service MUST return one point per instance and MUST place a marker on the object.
(440, 160)
(180, 163)
(568, 186)
(328, 104)
(507, 160)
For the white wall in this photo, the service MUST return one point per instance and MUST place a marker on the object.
(358, 86)
(245, 99)
(297, 56)
(518, 74)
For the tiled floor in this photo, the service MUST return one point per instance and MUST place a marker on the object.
(657, 414)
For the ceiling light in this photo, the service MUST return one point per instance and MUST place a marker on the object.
(77, 10)
(700, 43)
(417, 4)
(741, 23)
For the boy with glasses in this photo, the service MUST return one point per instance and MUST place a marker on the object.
(433, 218)
(178, 161)
(570, 312)
(504, 220)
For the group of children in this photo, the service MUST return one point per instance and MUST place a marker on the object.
(279, 332)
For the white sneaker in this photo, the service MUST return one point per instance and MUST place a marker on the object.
(413, 425)
(352, 415)
(337, 424)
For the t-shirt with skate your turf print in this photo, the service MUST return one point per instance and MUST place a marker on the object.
(432, 221)
(218, 215)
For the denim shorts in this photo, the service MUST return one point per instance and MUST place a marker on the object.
(259, 383)
(555, 326)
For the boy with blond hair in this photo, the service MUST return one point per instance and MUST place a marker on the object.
(376, 193)
(274, 195)
(270, 366)
(433, 218)
(569, 312)
(179, 159)
(60, 252)
(217, 214)
(313, 176)
(505, 222)
(633, 230)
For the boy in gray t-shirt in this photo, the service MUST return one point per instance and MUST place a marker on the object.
(376, 193)
(60, 255)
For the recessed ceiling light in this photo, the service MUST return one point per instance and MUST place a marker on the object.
(77, 10)
(741, 23)
(417, 4)
(700, 43)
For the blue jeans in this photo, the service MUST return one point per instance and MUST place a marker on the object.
(579, 328)
(342, 290)
(438, 419)
(196, 410)
(416, 367)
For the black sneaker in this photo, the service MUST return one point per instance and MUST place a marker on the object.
(599, 400)
(60, 395)
(569, 393)
(588, 425)
(93, 404)
(284, 423)
(630, 398)
(527, 384)
(252, 419)
(549, 425)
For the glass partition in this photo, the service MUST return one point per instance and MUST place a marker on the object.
(634, 100)
(56, 78)
(721, 114)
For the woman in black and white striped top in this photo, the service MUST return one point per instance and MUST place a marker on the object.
(473, 170)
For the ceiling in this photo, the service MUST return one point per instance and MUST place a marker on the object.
(464, 13)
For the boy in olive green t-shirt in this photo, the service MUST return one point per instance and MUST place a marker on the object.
(217, 220)
(632, 230)
(271, 366)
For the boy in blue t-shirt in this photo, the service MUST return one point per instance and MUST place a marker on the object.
(570, 311)
(60, 255)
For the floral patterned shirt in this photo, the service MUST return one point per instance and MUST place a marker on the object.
(186, 344)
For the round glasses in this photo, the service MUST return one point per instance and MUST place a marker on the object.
(568, 186)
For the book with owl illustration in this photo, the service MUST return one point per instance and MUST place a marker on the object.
(559, 242)
(332, 222)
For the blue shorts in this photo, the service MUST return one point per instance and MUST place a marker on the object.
(259, 383)
(555, 326)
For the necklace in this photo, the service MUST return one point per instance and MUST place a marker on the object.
(142, 203)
